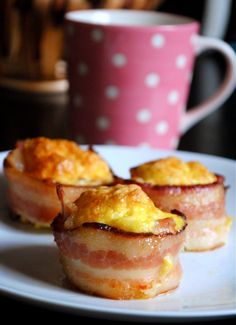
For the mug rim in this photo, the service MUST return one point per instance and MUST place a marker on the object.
(79, 17)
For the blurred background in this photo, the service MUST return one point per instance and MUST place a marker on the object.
(33, 83)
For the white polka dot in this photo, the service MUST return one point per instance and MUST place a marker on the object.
(77, 100)
(82, 69)
(97, 35)
(80, 139)
(158, 40)
(70, 30)
(173, 97)
(152, 80)
(181, 61)
(144, 115)
(162, 127)
(119, 60)
(112, 92)
(103, 123)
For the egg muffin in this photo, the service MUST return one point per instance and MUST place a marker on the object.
(37, 165)
(115, 243)
(192, 189)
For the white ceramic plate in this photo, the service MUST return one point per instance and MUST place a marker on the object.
(29, 266)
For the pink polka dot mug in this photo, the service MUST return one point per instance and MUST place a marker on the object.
(130, 73)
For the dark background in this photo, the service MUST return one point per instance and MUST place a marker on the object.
(29, 115)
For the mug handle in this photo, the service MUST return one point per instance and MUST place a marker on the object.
(227, 86)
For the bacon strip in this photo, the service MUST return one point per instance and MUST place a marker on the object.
(108, 262)
(34, 200)
(141, 286)
(74, 246)
(203, 205)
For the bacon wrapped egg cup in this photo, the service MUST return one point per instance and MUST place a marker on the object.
(192, 189)
(115, 243)
(34, 168)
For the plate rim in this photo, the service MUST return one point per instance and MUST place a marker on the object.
(115, 313)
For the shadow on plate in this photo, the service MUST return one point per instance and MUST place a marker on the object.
(13, 221)
(7, 218)
(37, 262)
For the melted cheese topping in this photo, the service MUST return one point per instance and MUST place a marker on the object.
(63, 161)
(125, 207)
(172, 171)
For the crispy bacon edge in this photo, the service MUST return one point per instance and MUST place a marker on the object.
(41, 215)
(58, 223)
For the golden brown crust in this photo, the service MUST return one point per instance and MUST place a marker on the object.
(108, 261)
(203, 205)
(172, 171)
(34, 199)
(62, 161)
(123, 207)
